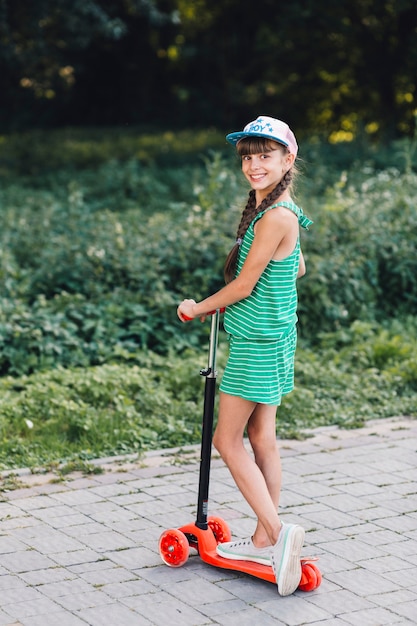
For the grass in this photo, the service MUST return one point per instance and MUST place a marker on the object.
(79, 414)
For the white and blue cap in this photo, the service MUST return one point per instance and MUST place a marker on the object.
(270, 128)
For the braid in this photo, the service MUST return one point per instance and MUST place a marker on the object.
(248, 215)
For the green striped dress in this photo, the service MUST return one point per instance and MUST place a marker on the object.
(262, 327)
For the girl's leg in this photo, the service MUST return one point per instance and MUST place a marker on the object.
(234, 414)
(261, 431)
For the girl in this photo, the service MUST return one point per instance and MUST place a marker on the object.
(261, 300)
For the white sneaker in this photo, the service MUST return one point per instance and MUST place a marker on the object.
(244, 550)
(286, 558)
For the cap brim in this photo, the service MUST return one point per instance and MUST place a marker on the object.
(233, 138)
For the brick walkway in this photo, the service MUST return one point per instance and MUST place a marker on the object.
(86, 551)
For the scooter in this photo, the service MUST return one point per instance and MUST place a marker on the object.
(208, 531)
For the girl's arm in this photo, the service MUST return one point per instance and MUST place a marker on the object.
(271, 229)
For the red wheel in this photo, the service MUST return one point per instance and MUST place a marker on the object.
(318, 574)
(310, 577)
(220, 528)
(173, 547)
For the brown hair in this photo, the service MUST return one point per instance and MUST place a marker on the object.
(255, 145)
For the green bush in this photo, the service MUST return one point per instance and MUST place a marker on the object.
(97, 262)
(38, 152)
(78, 282)
(359, 255)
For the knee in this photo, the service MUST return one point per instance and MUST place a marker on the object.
(218, 443)
(262, 442)
(226, 447)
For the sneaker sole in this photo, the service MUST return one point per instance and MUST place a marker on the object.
(290, 567)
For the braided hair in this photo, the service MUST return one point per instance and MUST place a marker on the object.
(254, 145)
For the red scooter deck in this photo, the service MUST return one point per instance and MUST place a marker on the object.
(206, 547)
(174, 546)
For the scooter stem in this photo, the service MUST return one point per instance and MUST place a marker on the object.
(207, 425)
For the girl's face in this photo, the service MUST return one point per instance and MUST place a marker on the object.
(265, 168)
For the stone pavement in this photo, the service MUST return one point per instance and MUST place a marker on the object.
(85, 551)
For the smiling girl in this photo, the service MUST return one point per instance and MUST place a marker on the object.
(260, 297)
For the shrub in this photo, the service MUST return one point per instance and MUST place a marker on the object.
(360, 258)
(37, 152)
(94, 262)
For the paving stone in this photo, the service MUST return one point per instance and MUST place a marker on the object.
(5, 620)
(294, 610)
(171, 610)
(112, 614)
(337, 602)
(332, 519)
(106, 540)
(77, 497)
(62, 588)
(134, 558)
(31, 608)
(52, 542)
(394, 597)
(126, 588)
(50, 575)
(86, 551)
(353, 550)
(8, 581)
(226, 607)
(26, 561)
(9, 544)
(370, 617)
(383, 537)
(386, 564)
(33, 503)
(52, 619)
(75, 557)
(404, 577)
(362, 582)
(77, 601)
(248, 617)
(405, 609)
(19, 594)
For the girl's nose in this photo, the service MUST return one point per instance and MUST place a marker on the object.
(255, 163)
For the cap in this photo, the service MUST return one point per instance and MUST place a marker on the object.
(270, 128)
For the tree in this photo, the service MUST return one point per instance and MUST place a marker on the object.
(324, 66)
(49, 47)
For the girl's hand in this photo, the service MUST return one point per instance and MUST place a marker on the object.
(185, 310)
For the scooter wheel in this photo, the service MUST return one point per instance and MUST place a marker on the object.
(310, 577)
(220, 529)
(318, 574)
(173, 547)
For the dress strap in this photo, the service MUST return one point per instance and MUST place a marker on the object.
(303, 220)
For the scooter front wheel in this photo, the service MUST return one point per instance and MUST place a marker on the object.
(220, 529)
(173, 547)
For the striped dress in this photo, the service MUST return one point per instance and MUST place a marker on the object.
(262, 327)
